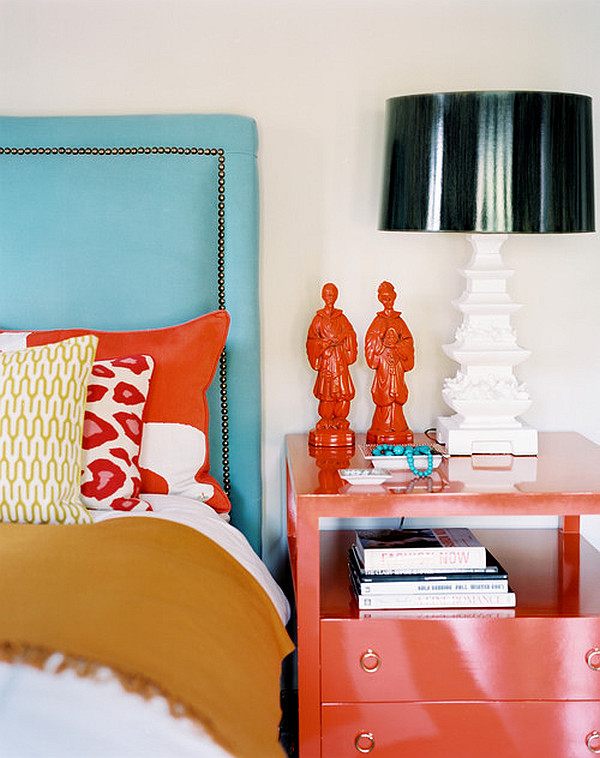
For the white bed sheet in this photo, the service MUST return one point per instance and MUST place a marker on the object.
(78, 717)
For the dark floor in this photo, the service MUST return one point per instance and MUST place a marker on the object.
(288, 731)
(289, 680)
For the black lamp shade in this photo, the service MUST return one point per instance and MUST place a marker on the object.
(496, 162)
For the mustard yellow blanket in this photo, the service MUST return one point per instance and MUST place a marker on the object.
(165, 607)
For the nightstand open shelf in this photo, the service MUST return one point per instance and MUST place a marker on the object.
(518, 681)
(534, 559)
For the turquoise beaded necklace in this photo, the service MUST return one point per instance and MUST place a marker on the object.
(409, 451)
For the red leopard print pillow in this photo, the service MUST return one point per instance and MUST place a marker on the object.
(112, 433)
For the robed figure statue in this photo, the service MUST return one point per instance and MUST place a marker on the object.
(389, 350)
(331, 346)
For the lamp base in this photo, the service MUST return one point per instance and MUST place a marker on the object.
(521, 440)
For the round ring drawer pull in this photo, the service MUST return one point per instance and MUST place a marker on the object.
(370, 661)
(592, 658)
(364, 742)
(593, 742)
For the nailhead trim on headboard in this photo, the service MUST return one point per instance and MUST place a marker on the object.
(221, 296)
(161, 150)
(111, 150)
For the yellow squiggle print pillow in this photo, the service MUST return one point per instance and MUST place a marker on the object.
(43, 392)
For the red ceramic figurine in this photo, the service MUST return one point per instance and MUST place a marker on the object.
(332, 347)
(389, 350)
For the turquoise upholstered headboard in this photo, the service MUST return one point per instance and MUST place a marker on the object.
(139, 222)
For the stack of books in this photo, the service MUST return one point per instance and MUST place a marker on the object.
(426, 568)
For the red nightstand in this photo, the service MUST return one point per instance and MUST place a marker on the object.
(522, 682)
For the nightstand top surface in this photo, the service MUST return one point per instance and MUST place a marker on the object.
(563, 479)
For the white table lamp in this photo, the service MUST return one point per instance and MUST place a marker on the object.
(488, 164)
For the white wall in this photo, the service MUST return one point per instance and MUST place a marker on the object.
(315, 75)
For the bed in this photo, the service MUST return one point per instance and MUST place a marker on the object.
(136, 615)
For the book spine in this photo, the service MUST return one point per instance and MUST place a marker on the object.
(447, 558)
(373, 574)
(420, 588)
(443, 600)
(436, 613)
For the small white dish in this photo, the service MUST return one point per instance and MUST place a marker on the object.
(364, 475)
(399, 462)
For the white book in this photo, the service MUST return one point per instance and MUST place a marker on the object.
(419, 549)
(436, 587)
(442, 600)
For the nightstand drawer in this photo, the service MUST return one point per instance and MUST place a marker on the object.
(460, 659)
(468, 730)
